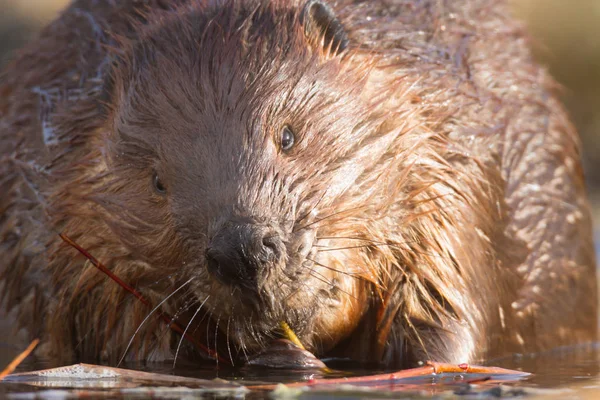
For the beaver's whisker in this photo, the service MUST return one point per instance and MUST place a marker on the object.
(330, 216)
(376, 245)
(362, 246)
(227, 340)
(209, 315)
(325, 281)
(297, 289)
(320, 277)
(104, 316)
(299, 220)
(217, 334)
(242, 344)
(305, 285)
(148, 316)
(164, 278)
(253, 333)
(186, 306)
(311, 271)
(350, 274)
(186, 329)
(365, 240)
(206, 315)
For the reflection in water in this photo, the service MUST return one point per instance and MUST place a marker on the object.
(561, 367)
(571, 372)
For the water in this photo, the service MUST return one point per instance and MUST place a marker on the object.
(571, 373)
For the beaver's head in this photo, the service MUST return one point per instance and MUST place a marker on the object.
(246, 155)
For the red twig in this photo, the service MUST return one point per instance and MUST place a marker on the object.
(406, 377)
(163, 315)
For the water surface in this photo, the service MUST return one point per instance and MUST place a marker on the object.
(571, 373)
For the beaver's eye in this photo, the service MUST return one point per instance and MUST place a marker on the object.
(287, 138)
(158, 185)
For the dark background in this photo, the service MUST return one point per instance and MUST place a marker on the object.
(566, 38)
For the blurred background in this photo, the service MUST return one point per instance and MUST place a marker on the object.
(566, 39)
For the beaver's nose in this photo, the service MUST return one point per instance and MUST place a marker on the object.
(239, 253)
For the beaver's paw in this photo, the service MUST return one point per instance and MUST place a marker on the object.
(283, 354)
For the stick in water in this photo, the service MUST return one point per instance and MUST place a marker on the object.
(18, 359)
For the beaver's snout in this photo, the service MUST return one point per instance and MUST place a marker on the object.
(240, 252)
(244, 253)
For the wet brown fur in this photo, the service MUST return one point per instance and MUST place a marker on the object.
(437, 170)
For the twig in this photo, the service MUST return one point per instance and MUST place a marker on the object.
(18, 359)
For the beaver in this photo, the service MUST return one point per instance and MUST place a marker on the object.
(394, 179)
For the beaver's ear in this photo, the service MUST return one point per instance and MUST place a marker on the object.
(322, 28)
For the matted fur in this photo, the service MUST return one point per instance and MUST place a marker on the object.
(438, 173)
